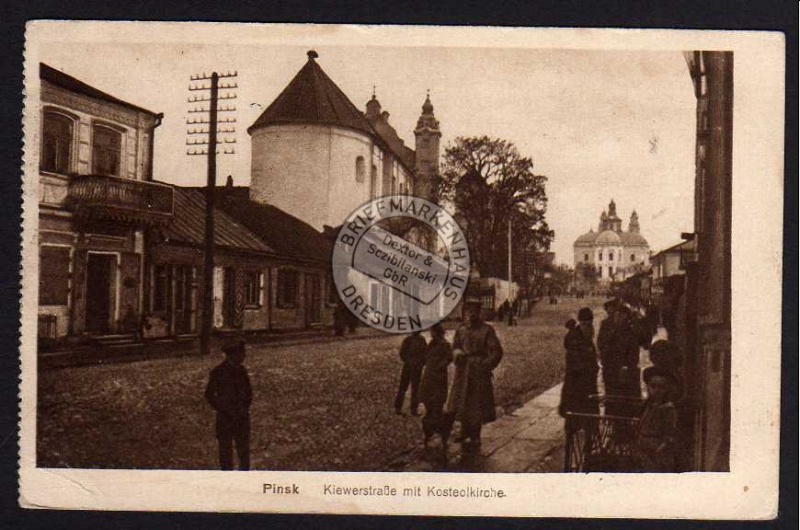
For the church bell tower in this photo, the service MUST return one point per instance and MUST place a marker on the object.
(427, 136)
(633, 225)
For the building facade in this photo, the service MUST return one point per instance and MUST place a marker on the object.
(671, 261)
(316, 156)
(121, 255)
(264, 279)
(97, 202)
(614, 254)
(707, 321)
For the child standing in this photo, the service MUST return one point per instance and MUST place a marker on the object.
(433, 386)
(412, 353)
(229, 393)
(654, 449)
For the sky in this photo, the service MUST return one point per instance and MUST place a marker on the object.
(600, 124)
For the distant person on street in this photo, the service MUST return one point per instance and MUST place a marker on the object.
(352, 321)
(654, 447)
(512, 316)
(412, 353)
(580, 375)
(340, 319)
(477, 353)
(229, 393)
(433, 386)
(505, 310)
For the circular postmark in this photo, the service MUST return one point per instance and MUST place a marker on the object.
(400, 263)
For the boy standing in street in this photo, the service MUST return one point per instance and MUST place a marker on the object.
(412, 353)
(229, 393)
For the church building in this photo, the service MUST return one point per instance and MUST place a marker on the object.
(316, 156)
(615, 254)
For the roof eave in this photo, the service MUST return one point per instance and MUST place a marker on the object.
(73, 84)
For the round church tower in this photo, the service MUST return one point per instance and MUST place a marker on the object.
(313, 154)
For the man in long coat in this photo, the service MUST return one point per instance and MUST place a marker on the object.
(477, 353)
(580, 375)
(619, 354)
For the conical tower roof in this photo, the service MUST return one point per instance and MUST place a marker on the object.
(312, 97)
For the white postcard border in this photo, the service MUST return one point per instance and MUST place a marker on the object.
(749, 491)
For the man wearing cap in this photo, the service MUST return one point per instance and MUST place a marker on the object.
(654, 447)
(412, 353)
(619, 354)
(580, 375)
(229, 393)
(477, 352)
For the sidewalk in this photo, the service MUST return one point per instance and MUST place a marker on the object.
(168, 347)
(528, 440)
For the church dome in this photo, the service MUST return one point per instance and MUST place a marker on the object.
(609, 237)
(586, 239)
(427, 107)
(633, 239)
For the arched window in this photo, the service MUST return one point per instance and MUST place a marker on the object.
(586, 257)
(56, 143)
(106, 150)
(610, 256)
(633, 257)
(599, 256)
(361, 169)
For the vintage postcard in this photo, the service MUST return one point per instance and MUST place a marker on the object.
(401, 270)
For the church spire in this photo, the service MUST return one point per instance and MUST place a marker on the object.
(373, 107)
(633, 225)
(427, 136)
(427, 107)
(614, 222)
(427, 121)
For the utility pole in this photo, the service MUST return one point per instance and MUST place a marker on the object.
(509, 254)
(209, 138)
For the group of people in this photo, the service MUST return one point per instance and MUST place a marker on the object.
(508, 311)
(469, 399)
(475, 352)
(619, 340)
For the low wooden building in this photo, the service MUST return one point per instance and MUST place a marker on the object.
(271, 269)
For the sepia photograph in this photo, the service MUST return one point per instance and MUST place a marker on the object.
(406, 260)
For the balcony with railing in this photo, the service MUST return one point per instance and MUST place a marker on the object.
(126, 200)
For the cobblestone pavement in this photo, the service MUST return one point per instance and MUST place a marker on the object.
(321, 407)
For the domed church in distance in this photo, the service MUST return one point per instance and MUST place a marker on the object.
(614, 253)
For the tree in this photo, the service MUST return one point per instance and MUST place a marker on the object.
(491, 184)
(585, 275)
